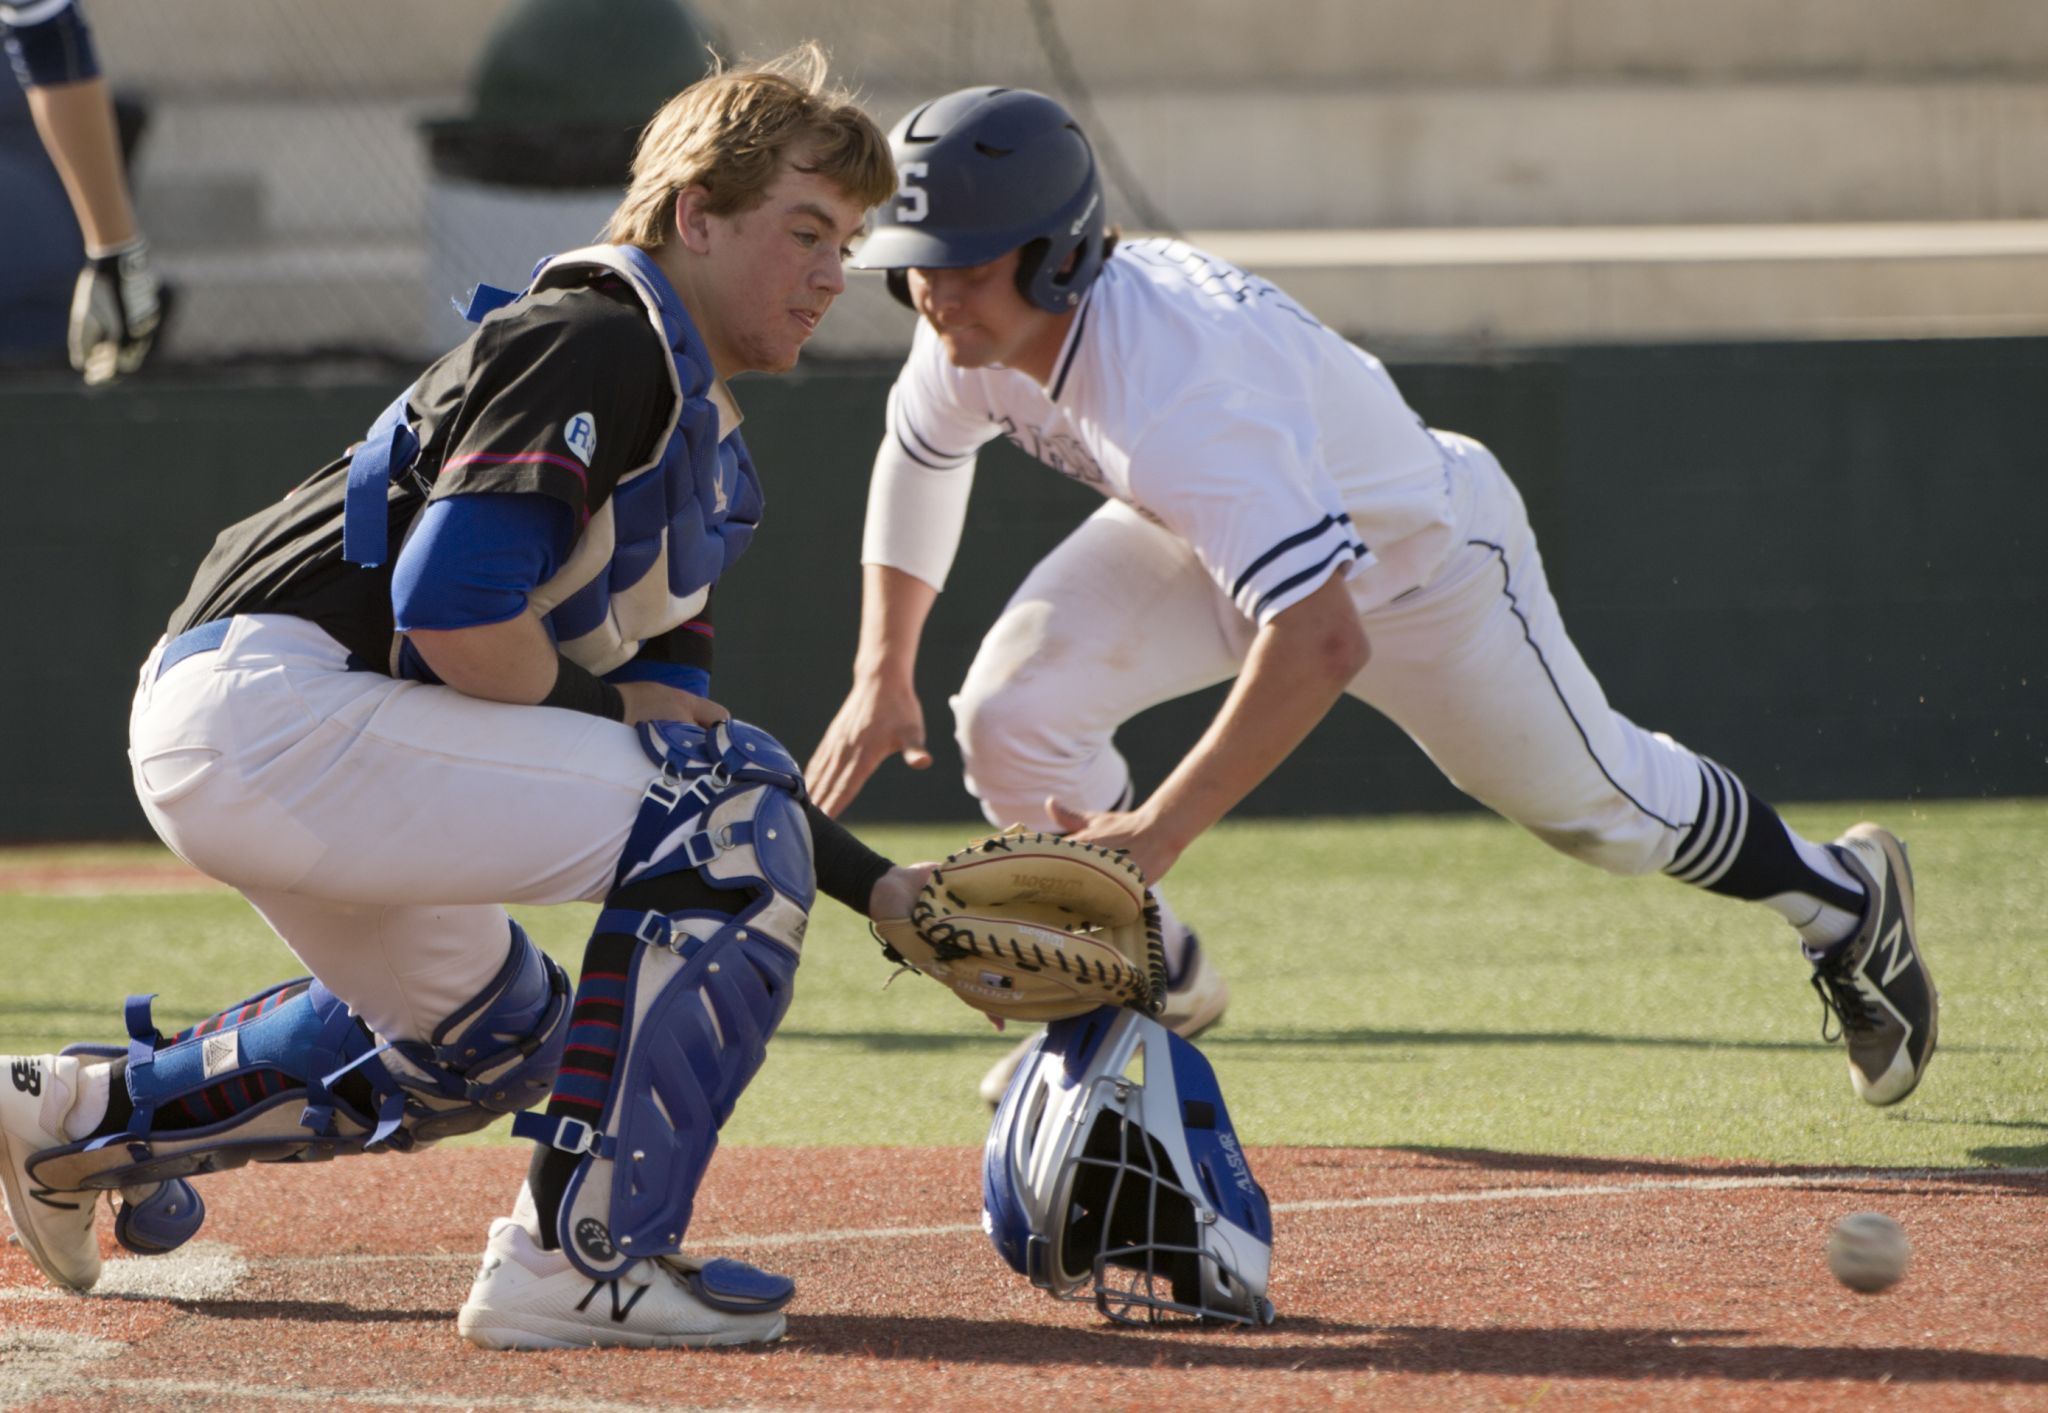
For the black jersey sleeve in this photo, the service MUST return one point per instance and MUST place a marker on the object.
(563, 394)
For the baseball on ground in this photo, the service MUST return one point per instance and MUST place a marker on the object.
(1867, 1251)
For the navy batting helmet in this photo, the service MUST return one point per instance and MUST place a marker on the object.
(986, 171)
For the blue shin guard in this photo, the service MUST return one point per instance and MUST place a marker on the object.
(662, 1045)
(290, 1075)
(701, 1018)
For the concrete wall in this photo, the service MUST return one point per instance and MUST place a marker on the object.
(1315, 113)
(286, 187)
(1816, 563)
(277, 46)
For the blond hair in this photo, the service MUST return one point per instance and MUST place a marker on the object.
(731, 133)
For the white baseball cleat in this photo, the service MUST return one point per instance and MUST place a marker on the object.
(1195, 1000)
(56, 1228)
(527, 1298)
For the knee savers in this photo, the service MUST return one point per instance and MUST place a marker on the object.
(727, 805)
(49, 42)
(699, 999)
(290, 1075)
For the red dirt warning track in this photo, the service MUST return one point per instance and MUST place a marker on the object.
(1404, 1280)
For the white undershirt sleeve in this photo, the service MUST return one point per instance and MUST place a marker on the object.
(915, 514)
(924, 468)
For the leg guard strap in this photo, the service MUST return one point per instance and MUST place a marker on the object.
(231, 1090)
(727, 804)
(150, 1219)
(497, 1054)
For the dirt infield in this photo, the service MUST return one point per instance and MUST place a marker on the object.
(51, 873)
(1404, 1279)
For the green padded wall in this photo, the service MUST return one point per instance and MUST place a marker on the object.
(1815, 562)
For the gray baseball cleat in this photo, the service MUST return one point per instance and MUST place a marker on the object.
(527, 1298)
(1875, 982)
(1195, 1000)
(56, 1228)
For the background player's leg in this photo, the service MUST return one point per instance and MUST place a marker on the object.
(1478, 669)
(1118, 618)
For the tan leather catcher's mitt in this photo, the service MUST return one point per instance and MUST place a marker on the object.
(1034, 927)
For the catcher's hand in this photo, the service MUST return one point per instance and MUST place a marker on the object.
(1033, 927)
(116, 309)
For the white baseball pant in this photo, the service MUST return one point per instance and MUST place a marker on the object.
(376, 824)
(1475, 666)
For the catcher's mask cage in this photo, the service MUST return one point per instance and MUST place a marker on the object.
(1128, 1189)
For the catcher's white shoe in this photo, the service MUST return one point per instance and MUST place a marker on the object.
(527, 1298)
(56, 1228)
(1195, 1000)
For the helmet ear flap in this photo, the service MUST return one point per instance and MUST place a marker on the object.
(1030, 260)
(1030, 257)
(1058, 289)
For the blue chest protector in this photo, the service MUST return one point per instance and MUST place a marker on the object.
(688, 512)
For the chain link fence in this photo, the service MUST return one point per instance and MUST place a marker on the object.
(295, 179)
(297, 175)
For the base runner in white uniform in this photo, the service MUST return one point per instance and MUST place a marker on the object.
(469, 664)
(1274, 514)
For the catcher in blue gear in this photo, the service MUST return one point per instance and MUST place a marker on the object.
(469, 664)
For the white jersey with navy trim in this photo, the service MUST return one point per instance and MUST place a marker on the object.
(1247, 453)
(1209, 402)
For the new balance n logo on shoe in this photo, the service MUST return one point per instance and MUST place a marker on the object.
(619, 1312)
(28, 1077)
(1876, 984)
(48, 1197)
(1898, 956)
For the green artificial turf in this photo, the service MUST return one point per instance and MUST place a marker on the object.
(1428, 982)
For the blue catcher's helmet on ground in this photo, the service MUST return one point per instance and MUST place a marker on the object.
(986, 171)
(1112, 1173)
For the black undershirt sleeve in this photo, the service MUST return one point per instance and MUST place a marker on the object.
(577, 689)
(847, 869)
